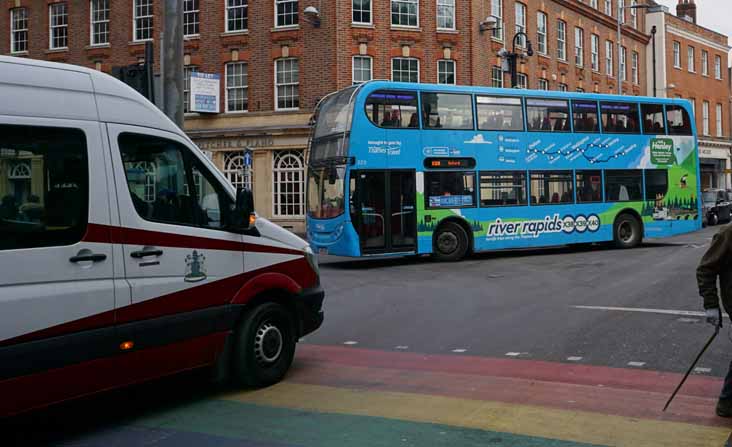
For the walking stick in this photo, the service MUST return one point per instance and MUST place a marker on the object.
(691, 368)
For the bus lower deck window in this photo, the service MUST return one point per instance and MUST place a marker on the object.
(551, 187)
(656, 184)
(623, 185)
(450, 189)
(589, 186)
(502, 188)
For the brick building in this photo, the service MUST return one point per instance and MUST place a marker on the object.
(691, 63)
(276, 62)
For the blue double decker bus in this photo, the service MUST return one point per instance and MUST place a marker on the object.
(399, 168)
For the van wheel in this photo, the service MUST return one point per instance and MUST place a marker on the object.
(264, 346)
(450, 242)
(627, 231)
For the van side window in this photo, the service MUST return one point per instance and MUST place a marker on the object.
(44, 186)
(678, 120)
(395, 109)
(159, 177)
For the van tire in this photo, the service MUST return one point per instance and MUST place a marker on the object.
(450, 242)
(264, 346)
(627, 231)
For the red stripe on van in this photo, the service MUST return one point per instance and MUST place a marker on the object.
(133, 236)
(210, 294)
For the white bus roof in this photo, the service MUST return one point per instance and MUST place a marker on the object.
(47, 89)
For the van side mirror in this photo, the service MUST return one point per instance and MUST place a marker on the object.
(244, 211)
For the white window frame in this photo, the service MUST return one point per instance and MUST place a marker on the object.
(14, 31)
(52, 28)
(718, 119)
(245, 7)
(497, 12)
(579, 48)
(595, 52)
(691, 59)
(542, 84)
(562, 87)
(522, 81)
(196, 13)
(635, 58)
(593, 3)
(279, 178)
(705, 63)
(496, 70)
(450, 5)
(404, 58)
(520, 23)
(621, 11)
(235, 171)
(609, 7)
(398, 25)
(277, 15)
(542, 21)
(717, 67)
(228, 88)
(623, 61)
(677, 54)
(286, 84)
(187, 70)
(92, 41)
(135, 18)
(634, 14)
(353, 68)
(609, 63)
(705, 118)
(561, 40)
(454, 70)
(370, 11)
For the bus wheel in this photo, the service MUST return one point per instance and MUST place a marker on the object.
(264, 346)
(450, 242)
(626, 231)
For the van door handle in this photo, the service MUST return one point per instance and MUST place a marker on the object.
(145, 253)
(93, 257)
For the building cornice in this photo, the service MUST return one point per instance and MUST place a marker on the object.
(597, 16)
(698, 39)
(721, 144)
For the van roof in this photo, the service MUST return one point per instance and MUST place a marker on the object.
(48, 89)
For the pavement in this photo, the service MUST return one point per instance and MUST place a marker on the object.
(492, 351)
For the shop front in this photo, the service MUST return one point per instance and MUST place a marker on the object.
(714, 164)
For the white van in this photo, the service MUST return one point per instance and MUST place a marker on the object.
(124, 254)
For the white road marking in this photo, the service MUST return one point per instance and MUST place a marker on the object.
(513, 354)
(686, 313)
(636, 364)
(687, 320)
(350, 342)
(574, 359)
(402, 347)
(700, 370)
(459, 350)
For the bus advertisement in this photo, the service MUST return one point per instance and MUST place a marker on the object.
(399, 169)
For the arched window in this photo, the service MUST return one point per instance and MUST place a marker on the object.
(289, 184)
(235, 172)
(20, 171)
(150, 171)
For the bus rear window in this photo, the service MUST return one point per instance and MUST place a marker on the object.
(394, 109)
(450, 189)
(447, 111)
(678, 120)
(499, 113)
(548, 115)
(619, 117)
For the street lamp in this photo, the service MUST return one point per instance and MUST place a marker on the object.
(513, 56)
(620, 45)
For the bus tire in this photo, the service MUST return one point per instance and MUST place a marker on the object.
(264, 346)
(450, 242)
(627, 231)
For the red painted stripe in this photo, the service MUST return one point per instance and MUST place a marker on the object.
(631, 379)
(215, 293)
(133, 236)
(43, 389)
(316, 370)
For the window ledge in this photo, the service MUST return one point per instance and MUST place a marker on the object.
(192, 37)
(235, 33)
(19, 53)
(236, 112)
(295, 109)
(98, 46)
(362, 25)
(414, 29)
(285, 28)
(138, 42)
(57, 50)
(447, 31)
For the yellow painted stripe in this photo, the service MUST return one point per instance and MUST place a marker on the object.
(578, 426)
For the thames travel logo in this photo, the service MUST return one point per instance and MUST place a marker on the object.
(550, 224)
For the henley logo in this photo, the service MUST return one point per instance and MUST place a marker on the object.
(195, 269)
(550, 224)
(662, 151)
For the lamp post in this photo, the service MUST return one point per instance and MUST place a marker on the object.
(621, 16)
(512, 57)
(653, 35)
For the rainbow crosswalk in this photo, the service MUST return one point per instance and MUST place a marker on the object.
(344, 396)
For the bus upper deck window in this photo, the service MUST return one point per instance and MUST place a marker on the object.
(499, 113)
(447, 111)
(547, 115)
(584, 115)
(678, 120)
(393, 109)
(619, 117)
(653, 119)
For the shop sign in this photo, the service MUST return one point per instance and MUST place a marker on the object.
(205, 92)
(234, 143)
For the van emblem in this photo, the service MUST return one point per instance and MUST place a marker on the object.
(195, 270)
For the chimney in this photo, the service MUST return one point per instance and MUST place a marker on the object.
(686, 9)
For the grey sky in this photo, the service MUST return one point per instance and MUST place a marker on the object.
(712, 14)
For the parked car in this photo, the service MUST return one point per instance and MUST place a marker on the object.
(716, 206)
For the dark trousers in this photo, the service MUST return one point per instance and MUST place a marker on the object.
(727, 388)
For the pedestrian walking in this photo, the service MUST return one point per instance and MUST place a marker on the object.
(717, 264)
